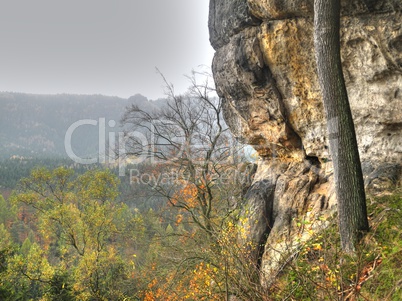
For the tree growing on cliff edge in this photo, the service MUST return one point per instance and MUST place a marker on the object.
(352, 212)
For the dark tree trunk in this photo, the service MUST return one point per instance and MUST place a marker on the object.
(349, 183)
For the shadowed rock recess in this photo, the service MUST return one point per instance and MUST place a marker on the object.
(264, 70)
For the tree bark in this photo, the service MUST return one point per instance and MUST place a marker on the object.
(352, 212)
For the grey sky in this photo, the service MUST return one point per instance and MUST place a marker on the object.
(108, 47)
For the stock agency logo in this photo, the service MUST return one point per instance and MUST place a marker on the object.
(109, 152)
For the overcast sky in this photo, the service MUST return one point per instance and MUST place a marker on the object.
(109, 47)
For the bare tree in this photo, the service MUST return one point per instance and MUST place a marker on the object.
(187, 138)
(352, 210)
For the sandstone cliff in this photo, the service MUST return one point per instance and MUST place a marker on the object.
(264, 70)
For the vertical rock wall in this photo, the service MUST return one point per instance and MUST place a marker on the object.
(264, 70)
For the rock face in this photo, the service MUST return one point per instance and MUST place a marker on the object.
(264, 70)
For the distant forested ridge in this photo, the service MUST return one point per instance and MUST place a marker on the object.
(35, 125)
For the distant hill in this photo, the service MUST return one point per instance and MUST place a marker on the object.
(36, 125)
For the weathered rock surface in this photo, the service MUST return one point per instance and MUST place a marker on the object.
(264, 70)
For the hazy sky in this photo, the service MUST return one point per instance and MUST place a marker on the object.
(106, 47)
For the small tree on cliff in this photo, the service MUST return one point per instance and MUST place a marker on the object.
(342, 137)
(197, 169)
